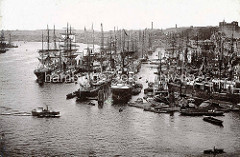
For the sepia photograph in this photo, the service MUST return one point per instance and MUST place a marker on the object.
(119, 78)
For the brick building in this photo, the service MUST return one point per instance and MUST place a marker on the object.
(233, 26)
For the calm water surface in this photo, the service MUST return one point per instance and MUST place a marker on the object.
(84, 130)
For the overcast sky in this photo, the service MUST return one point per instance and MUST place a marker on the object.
(129, 14)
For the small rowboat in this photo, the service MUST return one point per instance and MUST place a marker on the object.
(212, 120)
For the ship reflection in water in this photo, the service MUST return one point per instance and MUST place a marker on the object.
(84, 130)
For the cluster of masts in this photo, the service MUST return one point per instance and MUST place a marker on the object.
(217, 54)
(121, 41)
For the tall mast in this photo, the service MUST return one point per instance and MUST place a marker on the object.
(42, 41)
(186, 51)
(160, 65)
(110, 45)
(120, 41)
(132, 41)
(88, 53)
(142, 43)
(93, 38)
(232, 47)
(42, 48)
(70, 40)
(197, 48)
(123, 50)
(54, 38)
(124, 41)
(115, 42)
(173, 44)
(102, 47)
(150, 39)
(146, 42)
(9, 42)
(48, 39)
(67, 37)
(128, 43)
(220, 60)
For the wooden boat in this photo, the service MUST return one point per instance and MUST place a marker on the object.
(71, 95)
(162, 97)
(212, 120)
(213, 151)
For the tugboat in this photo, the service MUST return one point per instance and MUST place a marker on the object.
(45, 112)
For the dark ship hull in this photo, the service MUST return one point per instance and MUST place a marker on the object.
(3, 51)
(41, 75)
(204, 93)
(121, 95)
(213, 120)
(197, 112)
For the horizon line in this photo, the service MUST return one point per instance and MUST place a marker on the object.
(132, 29)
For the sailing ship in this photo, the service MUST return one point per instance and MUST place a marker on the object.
(57, 63)
(10, 44)
(92, 83)
(124, 85)
(87, 87)
(45, 60)
(208, 87)
(3, 45)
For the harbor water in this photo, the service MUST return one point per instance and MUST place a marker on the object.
(84, 130)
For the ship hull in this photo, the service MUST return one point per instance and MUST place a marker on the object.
(85, 94)
(213, 120)
(3, 51)
(41, 75)
(204, 94)
(121, 95)
(201, 113)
